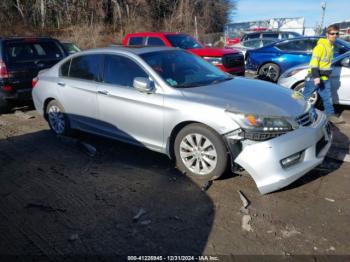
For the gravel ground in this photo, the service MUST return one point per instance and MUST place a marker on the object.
(62, 199)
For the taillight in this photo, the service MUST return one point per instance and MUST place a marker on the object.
(7, 88)
(3, 70)
(34, 81)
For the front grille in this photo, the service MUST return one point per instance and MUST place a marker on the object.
(261, 136)
(233, 60)
(305, 119)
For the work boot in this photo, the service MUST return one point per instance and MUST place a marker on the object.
(336, 119)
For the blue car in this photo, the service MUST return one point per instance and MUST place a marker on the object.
(270, 61)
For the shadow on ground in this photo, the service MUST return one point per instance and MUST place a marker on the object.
(56, 200)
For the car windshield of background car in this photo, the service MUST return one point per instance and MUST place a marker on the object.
(183, 41)
(181, 69)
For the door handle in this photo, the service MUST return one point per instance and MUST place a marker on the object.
(61, 83)
(103, 92)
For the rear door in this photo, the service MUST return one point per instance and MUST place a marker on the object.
(78, 90)
(130, 115)
(294, 52)
(24, 58)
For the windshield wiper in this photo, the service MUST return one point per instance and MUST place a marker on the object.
(221, 80)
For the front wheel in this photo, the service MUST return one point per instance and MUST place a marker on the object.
(313, 100)
(270, 72)
(200, 152)
(58, 120)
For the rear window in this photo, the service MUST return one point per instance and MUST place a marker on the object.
(28, 51)
(136, 40)
(155, 41)
(85, 67)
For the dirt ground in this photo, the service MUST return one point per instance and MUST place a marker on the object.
(61, 199)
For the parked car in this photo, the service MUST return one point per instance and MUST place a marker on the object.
(252, 44)
(294, 78)
(270, 61)
(21, 58)
(270, 34)
(228, 60)
(174, 102)
(70, 47)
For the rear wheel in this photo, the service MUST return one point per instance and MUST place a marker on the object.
(4, 105)
(200, 152)
(270, 72)
(58, 120)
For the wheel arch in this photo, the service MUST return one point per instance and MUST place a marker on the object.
(46, 102)
(176, 130)
(296, 84)
(268, 62)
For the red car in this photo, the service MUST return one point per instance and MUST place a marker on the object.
(228, 60)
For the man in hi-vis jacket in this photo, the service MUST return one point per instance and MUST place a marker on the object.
(320, 70)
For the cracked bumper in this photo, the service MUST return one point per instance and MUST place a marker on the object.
(262, 160)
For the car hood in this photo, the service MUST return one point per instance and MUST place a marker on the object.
(215, 52)
(249, 96)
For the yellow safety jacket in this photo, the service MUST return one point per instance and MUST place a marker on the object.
(320, 63)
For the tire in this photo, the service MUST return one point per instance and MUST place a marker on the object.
(4, 106)
(314, 99)
(200, 152)
(270, 72)
(57, 119)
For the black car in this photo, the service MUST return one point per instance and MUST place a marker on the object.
(21, 58)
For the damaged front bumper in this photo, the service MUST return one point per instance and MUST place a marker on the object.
(277, 162)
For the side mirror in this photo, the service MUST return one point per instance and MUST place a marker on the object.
(345, 62)
(143, 85)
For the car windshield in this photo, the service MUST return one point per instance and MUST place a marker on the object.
(181, 69)
(183, 41)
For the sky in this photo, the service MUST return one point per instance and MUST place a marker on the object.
(252, 10)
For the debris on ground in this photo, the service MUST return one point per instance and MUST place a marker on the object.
(329, 199)
(244, 199)
(89, 149)
(145, 222)
(246, 223)
(23, 115)
(45, 208)
(139, 214)
(207, 185)
(289, 233)
(244, 210)
(73, 237)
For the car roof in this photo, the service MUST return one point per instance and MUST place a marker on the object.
(137, 50)
(22, 38)
(272, 32)
(154, 33)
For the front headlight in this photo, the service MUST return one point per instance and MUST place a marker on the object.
(214, 60)
(259, 123)
(291, 72)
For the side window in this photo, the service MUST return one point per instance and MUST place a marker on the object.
(85, 67)
(339, 48)
(271, 35)
(155, 41)
(136, 40)
(119, 70)
(252, 36)
(65, 68)
(298, 45)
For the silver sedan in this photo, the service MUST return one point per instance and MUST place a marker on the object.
(174, 102)
(294, 78)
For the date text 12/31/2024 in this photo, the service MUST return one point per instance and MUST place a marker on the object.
(173, 258)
